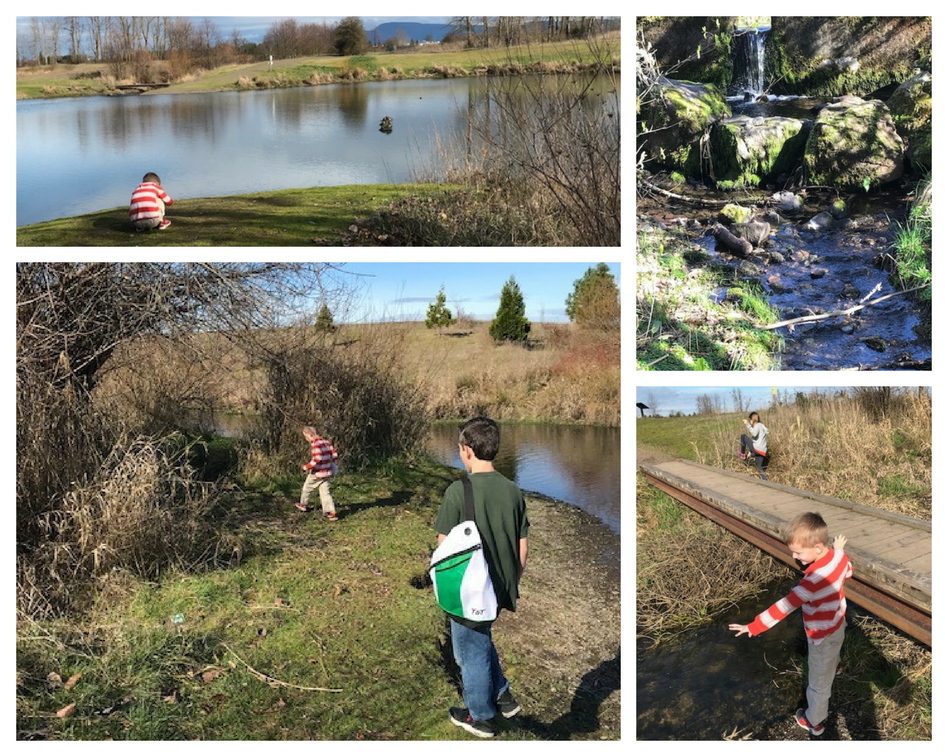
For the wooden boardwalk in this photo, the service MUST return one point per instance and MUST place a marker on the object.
(891, 553)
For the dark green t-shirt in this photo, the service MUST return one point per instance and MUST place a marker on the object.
(502, 521)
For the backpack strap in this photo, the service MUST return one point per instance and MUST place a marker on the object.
(470, 504)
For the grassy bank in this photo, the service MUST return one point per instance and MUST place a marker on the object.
(681, 555)
(683, 322)
(321, 630)
(83, 79)
(320, 216)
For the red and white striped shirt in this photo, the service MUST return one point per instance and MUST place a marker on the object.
(144, 201)
(322, 464)
(820, 596)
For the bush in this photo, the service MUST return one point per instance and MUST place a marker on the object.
(510, 323)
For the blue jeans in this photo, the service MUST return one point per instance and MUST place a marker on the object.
(483, 681)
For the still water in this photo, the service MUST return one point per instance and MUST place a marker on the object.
(577, 464)
(82, 155)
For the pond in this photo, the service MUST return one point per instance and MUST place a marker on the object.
(577, 464)
(82, 155)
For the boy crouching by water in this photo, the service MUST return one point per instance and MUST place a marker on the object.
(819, 594)
(148, 202)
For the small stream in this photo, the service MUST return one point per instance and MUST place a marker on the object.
(807, 273)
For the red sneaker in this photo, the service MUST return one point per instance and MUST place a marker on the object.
(801, 719)
(163, 224)
(301, 507)
(332, 516)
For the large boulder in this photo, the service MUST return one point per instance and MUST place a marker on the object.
(854, 144)
(911, 109)
(673, 117)
(749, 151)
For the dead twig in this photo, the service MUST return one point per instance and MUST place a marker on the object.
(269, 680)
(835, 313)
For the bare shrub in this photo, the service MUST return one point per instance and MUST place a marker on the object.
(141, 511)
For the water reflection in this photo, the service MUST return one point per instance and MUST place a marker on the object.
(580, 465)
(85, 154)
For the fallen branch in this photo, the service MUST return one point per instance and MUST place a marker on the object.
(273, 681)
(695, 200)
(731, 242)
(835, 313)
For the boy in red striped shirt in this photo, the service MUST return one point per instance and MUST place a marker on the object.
(148, 201)
(819, 595)
(320, 468)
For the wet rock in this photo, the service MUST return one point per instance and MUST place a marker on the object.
(773, 218)
(853, 145)
(820, 222)
(786, 202)
(777, 287)
(876, 343)
(818, 272)
(848, 328)
(850, 292)
(775, 257)
(754, 232)
(838, 209)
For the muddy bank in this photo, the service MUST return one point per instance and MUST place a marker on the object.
(562, 646)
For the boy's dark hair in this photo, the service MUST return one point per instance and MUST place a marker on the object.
(149, 176)
(807, 529)
(754, 415)
(481, 434)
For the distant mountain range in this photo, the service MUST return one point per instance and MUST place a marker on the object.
(411, 30)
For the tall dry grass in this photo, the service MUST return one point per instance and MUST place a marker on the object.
(872, 446)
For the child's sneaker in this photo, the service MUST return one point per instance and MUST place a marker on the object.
(461, 718)
(301, 507)
(507, 705)
(331, 516)
(801, 720)
(163, 224)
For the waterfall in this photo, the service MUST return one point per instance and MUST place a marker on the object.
(756, 62)
(749, 73)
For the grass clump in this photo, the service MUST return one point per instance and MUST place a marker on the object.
(913, 246)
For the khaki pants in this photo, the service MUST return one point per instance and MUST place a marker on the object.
(313, 484)
(822, 660)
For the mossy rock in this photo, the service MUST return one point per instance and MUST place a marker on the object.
(911, 103)
(733, 213)
(853, 144)
(675, 118)
(748, 151)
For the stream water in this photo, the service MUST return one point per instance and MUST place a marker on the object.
(825, 272)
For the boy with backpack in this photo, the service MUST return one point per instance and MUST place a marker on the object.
(503, 526)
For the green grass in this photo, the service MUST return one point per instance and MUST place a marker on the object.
(682, 326)
(290, 217)
(235, 653)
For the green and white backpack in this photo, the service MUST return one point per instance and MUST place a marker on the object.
(459, 571)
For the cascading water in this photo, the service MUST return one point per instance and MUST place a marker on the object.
(750, 62)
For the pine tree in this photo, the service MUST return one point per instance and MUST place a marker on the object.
(324, 320)
(510, 323)
(438, 315)
(595, 301)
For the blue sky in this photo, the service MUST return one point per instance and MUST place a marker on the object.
(403, 291)
(683, 398)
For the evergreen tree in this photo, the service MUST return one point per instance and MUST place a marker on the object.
(595, 301)
(438, 314)
(350, 37)
(510, 323)
(324, 320)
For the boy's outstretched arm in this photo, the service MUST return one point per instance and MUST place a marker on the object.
(740, 629)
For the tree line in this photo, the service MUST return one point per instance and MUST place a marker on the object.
(189, 42)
